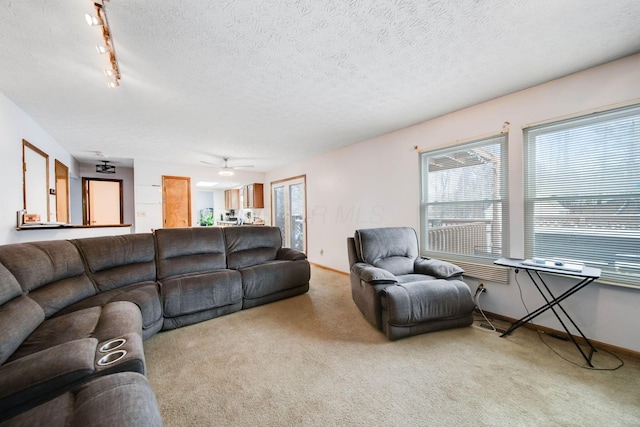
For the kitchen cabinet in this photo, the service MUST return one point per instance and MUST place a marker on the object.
(253, 196)
(232, 199)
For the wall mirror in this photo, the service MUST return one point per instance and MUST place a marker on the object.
(102, 201)
(35, 181)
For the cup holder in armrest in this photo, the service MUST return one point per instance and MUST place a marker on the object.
(112, 357)
(112, 345)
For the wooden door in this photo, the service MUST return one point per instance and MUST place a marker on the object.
(62, 192)
(176, 201)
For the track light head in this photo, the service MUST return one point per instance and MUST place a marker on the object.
(102, 48)
(93, 20)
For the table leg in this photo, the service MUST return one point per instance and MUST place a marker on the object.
(550, 304)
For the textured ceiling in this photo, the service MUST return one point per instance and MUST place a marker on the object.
(269, 82)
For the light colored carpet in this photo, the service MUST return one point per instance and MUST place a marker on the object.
(313, 360)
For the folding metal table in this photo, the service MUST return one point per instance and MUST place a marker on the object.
(585, 277)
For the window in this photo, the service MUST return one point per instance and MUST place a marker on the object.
(464, 199)
(582, 192)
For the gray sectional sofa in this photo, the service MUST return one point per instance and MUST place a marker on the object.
(74, 313)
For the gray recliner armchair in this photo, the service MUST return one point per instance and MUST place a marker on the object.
(400, 292)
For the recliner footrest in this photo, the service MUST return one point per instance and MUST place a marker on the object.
(419, 307)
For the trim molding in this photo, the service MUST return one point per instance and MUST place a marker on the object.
(598, 344)
(328, 268)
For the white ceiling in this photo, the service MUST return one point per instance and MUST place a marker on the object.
(269, 82)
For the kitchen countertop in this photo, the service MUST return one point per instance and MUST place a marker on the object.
(232, 223)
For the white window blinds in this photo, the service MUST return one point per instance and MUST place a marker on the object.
(464, 198)
(582, 192)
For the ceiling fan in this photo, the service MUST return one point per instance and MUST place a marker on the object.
(226, 170)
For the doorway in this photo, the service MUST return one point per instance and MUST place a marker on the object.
(289, 211)
(102, 201)
(176, 201)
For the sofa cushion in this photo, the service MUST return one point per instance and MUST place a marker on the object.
(437, 268)
(25, 382)
(418, 302)
(113, 320)
(290, 254)
(19, 318)
(183, 251)
(115, 400)
(19, 315)
(408, 278)
(371, 274)
(51, 272)
(273, 277)
(56, 412)
(197, 292)
(117, 261)
(123, 399)
(9, 286)
(251, 245)
(62, 351)
(145, 295)
(393, 248)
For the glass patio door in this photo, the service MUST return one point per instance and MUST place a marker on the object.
(288, 211)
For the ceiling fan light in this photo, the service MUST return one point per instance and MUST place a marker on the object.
(206, 184)
(226, 172)
(113, 84)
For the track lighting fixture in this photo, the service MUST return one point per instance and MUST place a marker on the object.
(100, 19)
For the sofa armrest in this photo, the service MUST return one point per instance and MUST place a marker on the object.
(45, 373)
(437, 268)
(371, 274)
(288, 254)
